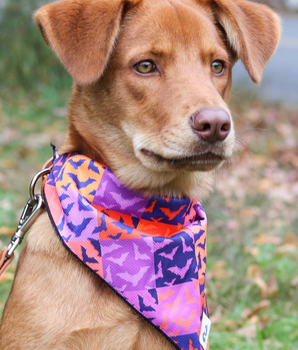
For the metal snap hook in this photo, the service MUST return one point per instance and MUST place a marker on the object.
(36, 177)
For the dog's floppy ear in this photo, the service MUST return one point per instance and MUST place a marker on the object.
(82, 33)
(252, 30)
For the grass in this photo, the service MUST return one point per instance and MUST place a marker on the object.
(252, 265)
(28, 123)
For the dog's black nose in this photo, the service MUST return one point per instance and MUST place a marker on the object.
(211, 124)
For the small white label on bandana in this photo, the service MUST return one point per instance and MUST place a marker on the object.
(205, 330)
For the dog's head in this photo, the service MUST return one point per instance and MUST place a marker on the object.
(152, 81)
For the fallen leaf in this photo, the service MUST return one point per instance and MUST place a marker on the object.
(286, 248)
(6, 231)
(262, 285)
(6, 276)
(248, 213)
(272, 286)
(218, 271)
(265, 238)
(8, 135)
(248, 313)
(229, 324)
(291, 239)
(217, 315)
(249, 331)
(253, 271)
(254, 251)
(294, 282)
(234, 340)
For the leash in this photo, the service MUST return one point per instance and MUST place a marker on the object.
(31, 212)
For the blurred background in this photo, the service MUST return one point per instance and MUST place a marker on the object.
(252, 271)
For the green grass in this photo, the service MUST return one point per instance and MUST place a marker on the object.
(252, 265)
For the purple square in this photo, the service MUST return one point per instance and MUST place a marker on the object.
(128, 264)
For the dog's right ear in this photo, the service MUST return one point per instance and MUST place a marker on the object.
(82, 33)
(252, 31)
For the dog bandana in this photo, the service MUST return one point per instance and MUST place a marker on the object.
(150, 250)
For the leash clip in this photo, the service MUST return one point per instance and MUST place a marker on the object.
(31, 211)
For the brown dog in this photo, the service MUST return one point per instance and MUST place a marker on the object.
(151, 84)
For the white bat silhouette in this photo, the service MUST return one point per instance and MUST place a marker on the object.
(170, 255)
(185, 247)
(101, 192)
(111, 248)
(159, 245)
(159, 273)
(181, 271)
(108, 276)
(118, 261)
(125, 203)
(135, 278)
(138, 255)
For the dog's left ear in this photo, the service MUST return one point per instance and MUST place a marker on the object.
(252, 30)
(82, 33)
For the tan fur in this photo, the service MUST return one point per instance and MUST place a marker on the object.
(114, 115)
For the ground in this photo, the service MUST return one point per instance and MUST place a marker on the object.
(252, 269)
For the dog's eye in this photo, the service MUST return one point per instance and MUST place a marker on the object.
(145, 67)
(218, 67)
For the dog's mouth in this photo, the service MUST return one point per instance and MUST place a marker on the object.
(205, 161)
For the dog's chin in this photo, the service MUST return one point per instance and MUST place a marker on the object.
(205, 161)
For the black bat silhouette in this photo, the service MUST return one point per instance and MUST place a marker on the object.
(96, 245)
(60, 227)
(78, 229)
(143, 307)
(82, 206)
(102, 227)
(68, 209)
(115, 237)
(93, 167)
(86, 258)
(65, 187)
(77, 164)
(80, 184)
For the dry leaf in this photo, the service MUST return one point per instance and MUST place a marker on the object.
(291, 239)
(265, 238)
(229, 324)
(262, 285)
(265, 185)
(6, 231)
(218, 271)
(217, 315)
(254, 251)
(249, 331)
(8, 135)
(234, 340)
(286, 248)
(253, 271)
(247, 213)
(272, 286)
(294, 282)
(248, 313)
(6, 276)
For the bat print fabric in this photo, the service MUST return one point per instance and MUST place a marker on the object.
(150, 250)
